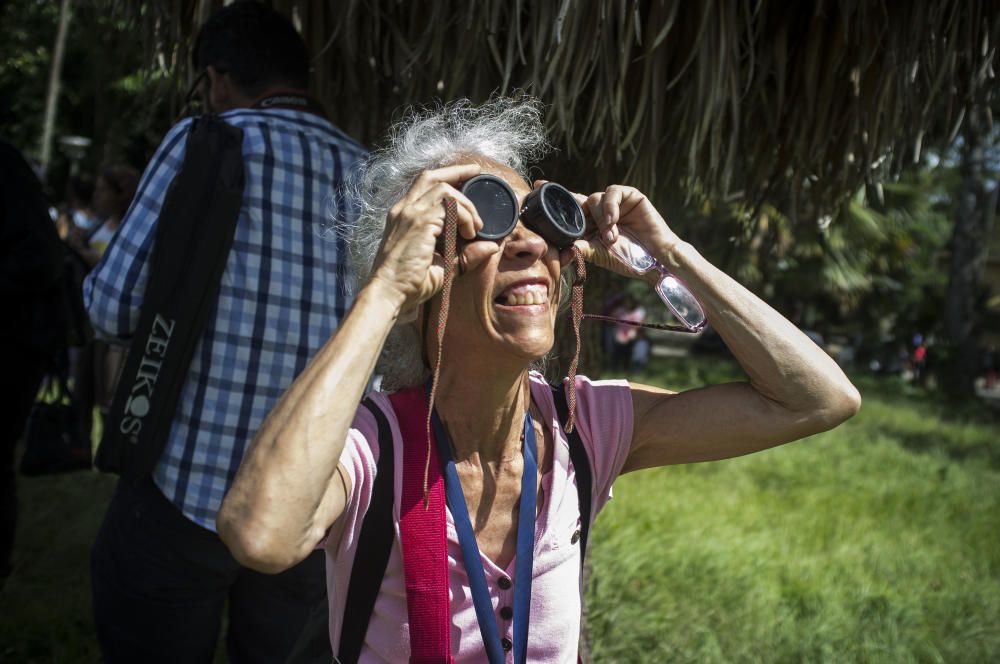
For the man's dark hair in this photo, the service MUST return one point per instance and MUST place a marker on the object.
(81, 188)
(255, 45)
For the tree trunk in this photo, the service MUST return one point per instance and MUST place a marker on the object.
(55, 78)
(969, 249)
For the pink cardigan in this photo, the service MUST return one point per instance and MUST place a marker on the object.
(604, 420)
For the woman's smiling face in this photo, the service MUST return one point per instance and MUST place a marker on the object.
(506, 306)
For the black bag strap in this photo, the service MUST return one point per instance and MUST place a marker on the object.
(581, 464)
(194, 234)
(374, 547)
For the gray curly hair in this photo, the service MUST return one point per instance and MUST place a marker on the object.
(506, 130)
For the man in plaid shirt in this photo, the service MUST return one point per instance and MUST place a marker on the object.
(160, 574)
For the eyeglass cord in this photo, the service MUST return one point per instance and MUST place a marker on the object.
(576, 311)
(450, 233)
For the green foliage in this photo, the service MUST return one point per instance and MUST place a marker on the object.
(25, 52)
(873, 542)
(906, 278)
(108, 94)
(873, 267)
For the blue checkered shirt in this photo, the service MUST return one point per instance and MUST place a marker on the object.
(282, 293)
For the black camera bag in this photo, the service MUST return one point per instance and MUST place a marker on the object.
(194, 234)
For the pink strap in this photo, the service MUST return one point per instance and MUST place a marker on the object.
(424, 535)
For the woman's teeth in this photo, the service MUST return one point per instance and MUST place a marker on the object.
(529, 295)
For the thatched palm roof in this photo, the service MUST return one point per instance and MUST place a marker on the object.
(798, 102)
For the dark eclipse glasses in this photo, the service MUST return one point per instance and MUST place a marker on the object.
(550, 210)
(553, 213)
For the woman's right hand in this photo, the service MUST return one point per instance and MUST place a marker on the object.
(406, 261)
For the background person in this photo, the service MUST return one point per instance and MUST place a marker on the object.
(98, 363)
(113, 192)
(79, 211)
(625, 336)
(308, 476)
(161, 576)
(641, 350)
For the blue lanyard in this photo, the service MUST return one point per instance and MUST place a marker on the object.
(470, 550)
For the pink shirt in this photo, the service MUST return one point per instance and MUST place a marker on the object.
(604, 420)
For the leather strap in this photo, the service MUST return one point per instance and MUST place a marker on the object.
(296, 100)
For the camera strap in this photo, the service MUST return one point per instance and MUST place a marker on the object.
(194, 233)
(524, 557)
(297, 100)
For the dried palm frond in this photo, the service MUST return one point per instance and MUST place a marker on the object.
(754, 96)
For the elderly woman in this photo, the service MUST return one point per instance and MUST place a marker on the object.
(308, 478)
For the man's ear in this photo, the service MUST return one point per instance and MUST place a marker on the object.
(220, 90)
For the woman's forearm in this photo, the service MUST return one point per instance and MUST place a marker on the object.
(783, 364)
(287, 491)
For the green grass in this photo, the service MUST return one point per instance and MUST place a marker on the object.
(876, 542)
(46, 601)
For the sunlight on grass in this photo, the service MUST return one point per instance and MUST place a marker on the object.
(874, 542)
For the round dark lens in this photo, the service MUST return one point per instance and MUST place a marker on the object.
(552, 212)
(563, 210)
(496, 204)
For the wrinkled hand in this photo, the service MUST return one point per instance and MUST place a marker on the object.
(406, 261)
(612, 210)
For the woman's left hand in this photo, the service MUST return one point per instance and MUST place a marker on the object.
(618, 208)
